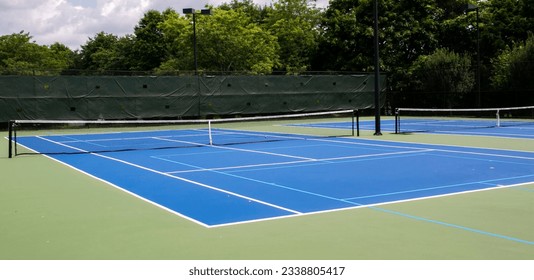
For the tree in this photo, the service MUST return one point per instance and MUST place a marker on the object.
(445, 72)
(145, 50)
(505, 23)
(176, 31)
(457, 31)
(231, 42)
(346, 43)
(19, 55)
(149, 47)
(514, 67)
(295, 24)
(98, 52)
(256, 13)
(61, 57)
(407, 30)
(227, 41)
(107, 52)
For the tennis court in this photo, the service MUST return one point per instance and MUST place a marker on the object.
(252, 183)
(218, 185)
(513, 122)
(443, 126)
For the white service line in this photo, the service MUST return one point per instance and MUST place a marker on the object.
(176, 177)
(242, 150)
(315, 161)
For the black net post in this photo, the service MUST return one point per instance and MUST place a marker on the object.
(352, 123)
(397, 122)
(357, 123)
(11, 126)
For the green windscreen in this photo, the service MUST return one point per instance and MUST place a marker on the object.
(148, 97)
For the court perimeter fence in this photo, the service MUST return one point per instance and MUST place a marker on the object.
(168, 97)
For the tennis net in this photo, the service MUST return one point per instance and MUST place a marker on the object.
(99, 136)
(409, 120)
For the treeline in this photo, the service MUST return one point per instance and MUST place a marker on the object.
(427, 47)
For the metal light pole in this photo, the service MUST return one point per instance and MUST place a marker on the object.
(377, 73)
(471, 7)
(193, 12)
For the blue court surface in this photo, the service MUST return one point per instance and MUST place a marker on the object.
(480, 127)
(508, 129)
(216, 185)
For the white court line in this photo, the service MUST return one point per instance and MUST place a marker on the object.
(244, 150)
(375, 206)
(485, 182)
(176, 177)
(325, 160)
(434, 149)
(487, 158)
(229, 167)
(299, 214)
(484, 154)
(118, 187)
(75, 140)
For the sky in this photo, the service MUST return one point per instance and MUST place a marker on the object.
(73, 22)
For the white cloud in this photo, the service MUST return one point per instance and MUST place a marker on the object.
(17, 4)
(72, 22)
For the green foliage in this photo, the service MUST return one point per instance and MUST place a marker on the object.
(177, 36)
(231, 42)
(61, 56)
(347, 41)
(514, 67)
(444, 71)
(149, 48)
(227, 41)
(18, 55)
(256, 13)
(506, 22)
(407, 30)
(101, 53)
(295, 23)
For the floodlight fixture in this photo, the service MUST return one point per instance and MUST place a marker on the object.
(471, 7)
(189, 11)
